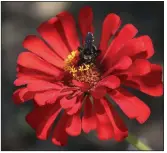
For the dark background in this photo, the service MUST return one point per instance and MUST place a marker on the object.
(21, 18)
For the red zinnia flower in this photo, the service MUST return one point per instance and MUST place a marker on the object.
(60, 76)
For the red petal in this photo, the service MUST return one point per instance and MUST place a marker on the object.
(37, 64)
(35, 117)
(131, 48)
(119, 128)
(23, 80)
(126, 33)
(85, 20)
(47, 97)
(104, 128)
(40, 85)
(69, 27)
(25, 73)
(150, 83)
(73, 126)
(148, 46)
(140, 47)
(37, 46)
(109, 82)
(26, 79)
(82, 85)
(139, 67)
(75, 108)
(50, 32)
(122, 64)
(44, 128)
(21, 95)
(99, 92)
(89, 118)
(41, 119)
(104, 131)
(131, 105)
(110, 25)
(68, 103)
(59, 134)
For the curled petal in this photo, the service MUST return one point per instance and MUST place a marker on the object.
(119, 128)
(136, 48)
(151, 83)
(76, 107)
(149, 49)
(73, 126)
(99, 92)
(131, 105)
(67, 103)
(21, 95)
(139, 67)
(83, 86)
(122, 64)
(46, 97)
(140, 47)
(111, 82)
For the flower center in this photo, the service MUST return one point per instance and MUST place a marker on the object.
(80, 64)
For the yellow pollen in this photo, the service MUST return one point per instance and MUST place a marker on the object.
(81, 68)
(87, 67)
(71, 61)
(84, 73)
(71, 57)
(73, 69)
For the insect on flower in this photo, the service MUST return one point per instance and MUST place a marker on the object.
(59, 75)
(89, 52)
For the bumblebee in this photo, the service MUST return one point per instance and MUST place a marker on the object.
(88, 53)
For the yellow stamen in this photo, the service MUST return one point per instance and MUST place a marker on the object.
(73, 53)
(73, 69)
(70, 61)
(87, 67)
(81, 68)
(70, 58)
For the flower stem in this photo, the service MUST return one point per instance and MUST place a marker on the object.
(137, 143)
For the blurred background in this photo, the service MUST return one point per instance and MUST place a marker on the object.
(20, 19)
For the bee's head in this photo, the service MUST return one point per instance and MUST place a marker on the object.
(89, 40)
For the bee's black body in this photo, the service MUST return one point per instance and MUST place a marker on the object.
(89, 52)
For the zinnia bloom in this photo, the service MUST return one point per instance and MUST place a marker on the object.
(63, 75)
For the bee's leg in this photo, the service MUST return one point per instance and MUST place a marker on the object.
(80, 49)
